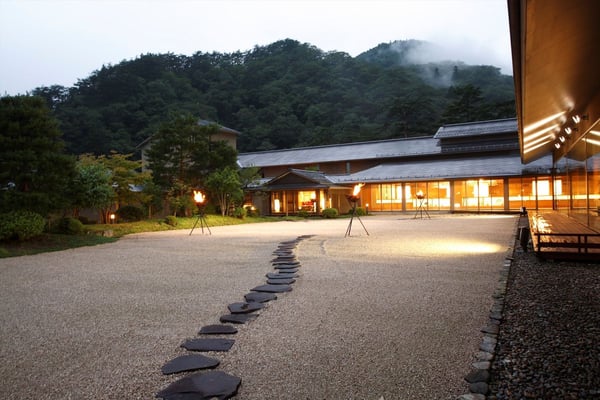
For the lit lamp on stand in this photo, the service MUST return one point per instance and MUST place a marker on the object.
(199, 199)
(421, 205)
(353, 199)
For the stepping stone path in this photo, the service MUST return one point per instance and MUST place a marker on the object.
(217, 330)
(272, 288)
(279, 281)
(260, 297)
(208, 344)
(237, 318)
(214, 384)
(189, 362)
(274, 275)
(218, 384)
(243, 308)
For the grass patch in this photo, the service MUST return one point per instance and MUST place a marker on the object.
(50, 242)
(106, 233)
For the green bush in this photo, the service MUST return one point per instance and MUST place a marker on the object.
(71, 226)
(171, 220)
(252, 211)
(130, 213)
(360, 211)
(330, 212)
(303, 214)
(239, 212)
(21, 225)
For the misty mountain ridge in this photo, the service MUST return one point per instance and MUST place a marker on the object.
(433, 63)
(282, 95)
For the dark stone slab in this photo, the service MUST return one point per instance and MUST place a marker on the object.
(281, 257)
(243, 308)
(217, 330)
(493, 329)
(272, 288)
(189, 362)
(479, 387)
(286, 269)
(287, 281)
(260, 297)
(286, 262)
(479, 375)
(202, 386)
(275, 275)
(216, 344)
(237, 318)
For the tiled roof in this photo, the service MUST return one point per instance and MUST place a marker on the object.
(395, 148)
(477, 128)
(471, 167)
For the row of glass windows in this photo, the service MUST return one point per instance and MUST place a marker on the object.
(574, 190)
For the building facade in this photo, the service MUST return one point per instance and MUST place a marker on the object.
(470, 167)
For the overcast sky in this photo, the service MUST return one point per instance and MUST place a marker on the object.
(47, 42)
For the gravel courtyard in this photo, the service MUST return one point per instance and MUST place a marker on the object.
(395, 314)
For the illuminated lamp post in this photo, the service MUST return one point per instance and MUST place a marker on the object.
(421, 205)
(200, 199)
(353, 199)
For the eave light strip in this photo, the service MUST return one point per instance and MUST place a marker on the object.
(542, 122)
(534, 136)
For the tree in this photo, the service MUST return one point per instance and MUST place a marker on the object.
(225, 186)
(465, 106)
(127, 179)
(183, 154)
(92, 187)
(34, 172)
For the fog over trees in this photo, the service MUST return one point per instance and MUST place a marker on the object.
(282, 95)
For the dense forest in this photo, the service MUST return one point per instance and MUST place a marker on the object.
(286, 94)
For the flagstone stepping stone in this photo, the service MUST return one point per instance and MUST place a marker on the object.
(286, 262)
(202, 386)
(287, 281)
(286, 269)
(238, 318)
(272, 288)
(242, 308)
(189, 362)
(286, 257)
(217, 330)
(216, 344)
(260, 297)
(275, 275)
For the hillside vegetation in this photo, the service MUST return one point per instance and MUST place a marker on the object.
(286, 94)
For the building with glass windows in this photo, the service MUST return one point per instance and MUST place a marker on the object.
(471, 167)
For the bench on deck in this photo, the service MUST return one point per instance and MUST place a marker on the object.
(559, 236)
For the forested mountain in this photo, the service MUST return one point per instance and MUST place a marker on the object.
(286, 94)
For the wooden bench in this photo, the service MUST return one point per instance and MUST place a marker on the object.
(560, 235)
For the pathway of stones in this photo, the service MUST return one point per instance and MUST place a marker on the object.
(219, 384)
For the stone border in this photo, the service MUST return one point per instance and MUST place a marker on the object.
(479, 377)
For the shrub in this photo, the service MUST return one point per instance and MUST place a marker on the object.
(360, 211)
(21, 225)
(330, 212)
(252, 211)
(303, 214)
(130, 213)
(171, 220)
(239, 212)
(71, 226)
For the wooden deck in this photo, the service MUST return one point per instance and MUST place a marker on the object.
(557, 236)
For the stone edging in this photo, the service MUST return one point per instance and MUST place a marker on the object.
(479, 377)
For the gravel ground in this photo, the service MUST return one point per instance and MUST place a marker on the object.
(548, 342)
(393, 315)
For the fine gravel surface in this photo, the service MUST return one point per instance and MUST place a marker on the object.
(548, 341)
(391, 315)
